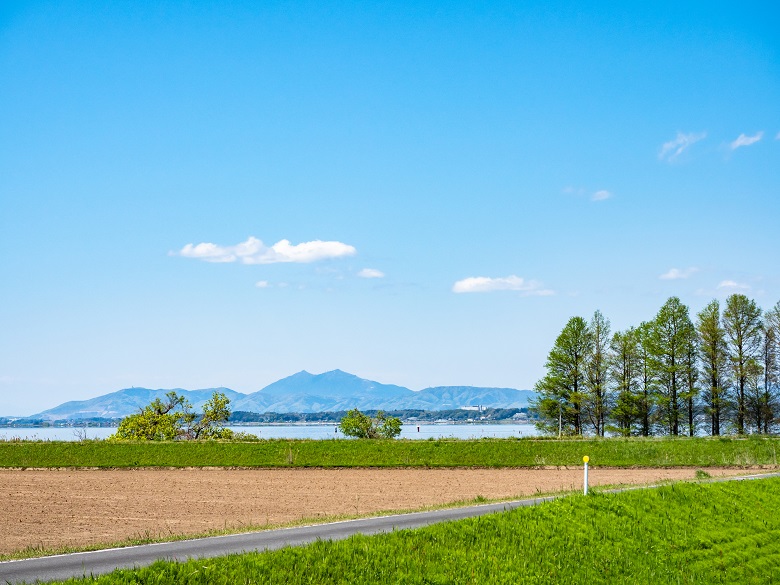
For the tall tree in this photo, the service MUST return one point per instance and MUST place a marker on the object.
(625, 371)
(742, 323)
(770, 360)
(647, 379)
(754, 397)
(669, 342)
(712, 353)
(690, 374)
(597, 378)
(560, 393)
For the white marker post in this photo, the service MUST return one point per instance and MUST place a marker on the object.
(585, 461)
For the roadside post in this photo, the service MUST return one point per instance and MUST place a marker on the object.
(585, 461)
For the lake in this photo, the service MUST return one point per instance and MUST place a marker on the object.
(408, 431)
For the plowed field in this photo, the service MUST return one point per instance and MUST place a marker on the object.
(54, 508)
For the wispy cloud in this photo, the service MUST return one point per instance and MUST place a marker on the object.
(253, 251)
(732, 285)
(514, 283)
(371, 273)
(262, 284)
(674, 148)
(743, 140)
(677, 274)
(599, 195)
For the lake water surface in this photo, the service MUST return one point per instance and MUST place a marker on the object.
(408, 431)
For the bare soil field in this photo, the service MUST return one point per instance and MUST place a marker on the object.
(56, 508)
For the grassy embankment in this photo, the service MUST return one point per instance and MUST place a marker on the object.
(683, 533)
(698, 452)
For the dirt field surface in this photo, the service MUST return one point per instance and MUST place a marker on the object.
(55, 508)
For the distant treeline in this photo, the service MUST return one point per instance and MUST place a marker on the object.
(408, 416)
(242, 417)
(6, 422)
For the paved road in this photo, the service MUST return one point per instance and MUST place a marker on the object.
(63, 567)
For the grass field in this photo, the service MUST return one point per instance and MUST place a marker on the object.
(613, 452)
(683, 533)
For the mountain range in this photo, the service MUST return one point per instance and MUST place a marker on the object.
(302, 392)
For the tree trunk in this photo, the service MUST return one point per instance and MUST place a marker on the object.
(690, 417)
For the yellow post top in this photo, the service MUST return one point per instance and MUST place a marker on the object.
(586, 459)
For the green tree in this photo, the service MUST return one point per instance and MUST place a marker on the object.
(560, 394)
(625, 371)
(754, 396)
(172, 418)
(647, 379)
(742, 323)
(770, 358)
(158, 421)
(690, 374)
(362, 426)
(670, 338)
(596, 403)
(713, 358)
(210, 424)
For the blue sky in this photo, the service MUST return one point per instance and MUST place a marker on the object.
(195, 195)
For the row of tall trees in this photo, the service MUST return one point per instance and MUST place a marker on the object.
(716, 373)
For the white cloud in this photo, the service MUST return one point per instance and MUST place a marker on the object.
(733, 285)
(253, 251)
(677, 274)
(514, 283)
(674, 148)
(599, 195)
(262, 284)
(371, 273)
(207, 252)
(743, 140)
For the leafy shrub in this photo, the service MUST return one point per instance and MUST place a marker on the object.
(173, 419)
(357, 424)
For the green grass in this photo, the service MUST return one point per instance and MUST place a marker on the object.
(683, 533)
(614, 452)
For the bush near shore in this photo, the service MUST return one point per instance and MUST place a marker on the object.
(683, 533)
(614, 452)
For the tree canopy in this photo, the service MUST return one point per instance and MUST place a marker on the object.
(560, 392)
(362, 426)
(172, 419)
(666, 376)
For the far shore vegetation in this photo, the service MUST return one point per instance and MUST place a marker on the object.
(245, 418)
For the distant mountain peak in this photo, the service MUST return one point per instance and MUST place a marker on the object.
(338, 374)
(302, 392)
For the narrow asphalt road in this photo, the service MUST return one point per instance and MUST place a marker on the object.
(63, 567)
